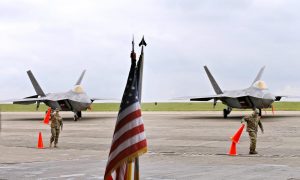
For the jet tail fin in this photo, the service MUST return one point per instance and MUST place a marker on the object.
(258, 77)
(35, 84)
(213, 81)
(80, 78)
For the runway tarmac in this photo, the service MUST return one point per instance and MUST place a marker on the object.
(182, 145)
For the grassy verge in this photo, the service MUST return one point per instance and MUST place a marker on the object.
(188, 106)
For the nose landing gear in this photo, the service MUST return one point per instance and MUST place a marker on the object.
(226, 112)
(77, 115)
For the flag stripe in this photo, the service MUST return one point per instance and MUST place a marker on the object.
(110, 178)
(127, 127)
(128, 118)
(132, 132)
(121, 172)
(130, 152)
(133, 107)
(118, 173)
(129, 142)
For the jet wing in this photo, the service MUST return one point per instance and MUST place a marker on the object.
(226, 94)
(42, 99)
(51, 97)
(94, 99)
(104, 99)
(207, 98)
(27, 100)
(279, 97)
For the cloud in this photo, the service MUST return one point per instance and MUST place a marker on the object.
(58, 39)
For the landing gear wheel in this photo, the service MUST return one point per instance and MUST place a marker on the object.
(77, 115)
(259, 112)
(225, 113)
(75, 118)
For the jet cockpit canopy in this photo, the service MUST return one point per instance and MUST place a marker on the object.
(260, 85)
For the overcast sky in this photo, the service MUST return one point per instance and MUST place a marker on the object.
(57, 39)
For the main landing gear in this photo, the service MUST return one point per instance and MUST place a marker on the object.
(259, 112)
(226, 112)
(77, 115)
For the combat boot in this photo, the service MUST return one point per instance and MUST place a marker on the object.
(50, 145)
(252, 152)
(55, 146)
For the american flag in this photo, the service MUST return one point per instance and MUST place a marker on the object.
(129, 140)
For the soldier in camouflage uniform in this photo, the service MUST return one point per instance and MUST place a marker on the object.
(252, 122)
(56, 126)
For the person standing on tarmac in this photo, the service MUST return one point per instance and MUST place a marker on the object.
(253, 121)
(56, 126)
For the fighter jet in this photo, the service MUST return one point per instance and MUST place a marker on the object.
(75, 100)
(255, 96)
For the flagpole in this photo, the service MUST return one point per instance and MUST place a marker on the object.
(140, 87)
(0, 119)
(141, 70)
(129, 170)
(124, 168)
(136, 161)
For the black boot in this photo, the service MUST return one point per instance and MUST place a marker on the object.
(253, 152)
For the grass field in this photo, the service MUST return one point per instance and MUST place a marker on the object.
(182, 106)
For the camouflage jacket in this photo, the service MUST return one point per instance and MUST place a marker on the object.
(253, 122)
(56, 121)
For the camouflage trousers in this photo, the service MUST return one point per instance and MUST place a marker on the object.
(55, 134)
(252, 136)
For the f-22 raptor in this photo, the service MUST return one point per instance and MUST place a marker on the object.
(75, 100)
(255, 96)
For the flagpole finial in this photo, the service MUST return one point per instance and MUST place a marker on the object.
(143, 42)
(132, 43)
(132, 54)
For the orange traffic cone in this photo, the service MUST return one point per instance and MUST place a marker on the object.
(238, 134)
(47, 116)
(40, 142)
(232, 151)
